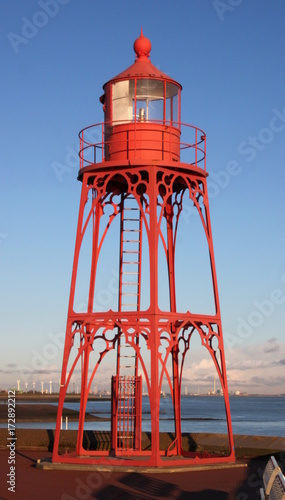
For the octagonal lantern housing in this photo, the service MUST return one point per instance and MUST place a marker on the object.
(142, 111)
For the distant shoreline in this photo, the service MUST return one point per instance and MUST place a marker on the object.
(39, 397)
(46, 398)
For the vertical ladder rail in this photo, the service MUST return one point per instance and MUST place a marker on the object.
(129, 300)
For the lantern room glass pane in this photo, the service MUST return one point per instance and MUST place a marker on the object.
(156, 110)
(171, 102)
(155, 100)
(122, 102)
(150, 89)
(149, 100)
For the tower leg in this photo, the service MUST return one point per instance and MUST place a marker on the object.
(62, 393)
(175, 349)
(83, 398)
(154, 394)
(221, 369)
(177, 399)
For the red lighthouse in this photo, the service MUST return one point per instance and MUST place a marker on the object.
(138, 169)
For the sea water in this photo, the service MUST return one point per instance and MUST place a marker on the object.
(257, 416)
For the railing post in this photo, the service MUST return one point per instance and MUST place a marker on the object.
(196, 143)
(82, 149)
(135, 120)
(170, 144)
(103, 145)
(205, 153)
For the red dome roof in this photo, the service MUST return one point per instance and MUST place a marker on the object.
(142, 67)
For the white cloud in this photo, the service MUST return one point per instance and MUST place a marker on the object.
(257, 368)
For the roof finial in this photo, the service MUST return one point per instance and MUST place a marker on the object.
(142, 46)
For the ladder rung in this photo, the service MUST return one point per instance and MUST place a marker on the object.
(131, 230)
(129, 262)
(131, 208)
(131, 251)
(130, 284)
(131, 241)
(130, 294)
(129, 272)
(129, 218)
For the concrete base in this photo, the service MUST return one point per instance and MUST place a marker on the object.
(245, 446)
(46, 464)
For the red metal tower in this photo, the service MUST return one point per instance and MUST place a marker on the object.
(135, 182)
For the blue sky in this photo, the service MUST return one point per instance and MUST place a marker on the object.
(229, 57)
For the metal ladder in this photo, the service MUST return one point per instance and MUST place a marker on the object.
(129, 300)
(130, 276)
(130, 261)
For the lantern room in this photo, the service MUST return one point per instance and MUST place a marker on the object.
(142, 111)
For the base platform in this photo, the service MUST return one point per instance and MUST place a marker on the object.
(47, 464)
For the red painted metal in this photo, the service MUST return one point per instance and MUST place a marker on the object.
(139, 166)
(191, 143)
(126, 414)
